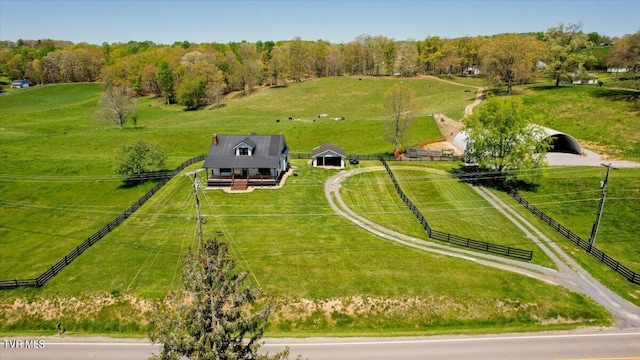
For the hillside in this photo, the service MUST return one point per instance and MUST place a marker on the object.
(57, 188)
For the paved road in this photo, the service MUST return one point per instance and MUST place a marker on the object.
(574, 345)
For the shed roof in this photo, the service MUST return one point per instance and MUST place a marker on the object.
(328, 147)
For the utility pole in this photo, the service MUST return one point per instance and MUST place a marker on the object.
(195, 192)
(596, 224)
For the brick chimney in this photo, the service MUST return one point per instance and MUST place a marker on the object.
(214, 141)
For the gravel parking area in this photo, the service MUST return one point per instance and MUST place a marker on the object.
(588, 158)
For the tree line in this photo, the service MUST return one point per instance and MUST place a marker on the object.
(196, 74)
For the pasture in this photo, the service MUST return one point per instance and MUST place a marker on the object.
(57, 188)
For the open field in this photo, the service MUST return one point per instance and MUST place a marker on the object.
(603, 120)
(57, 158)
(325, 275)
(447, 204)
(57, 189)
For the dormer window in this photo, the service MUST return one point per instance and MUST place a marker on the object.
(244, 148)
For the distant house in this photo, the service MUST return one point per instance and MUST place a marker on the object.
(471, 70)
(18, 84)
(245, 160)
(329, 155)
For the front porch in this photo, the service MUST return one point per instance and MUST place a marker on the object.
(240, 179)
(221, 181)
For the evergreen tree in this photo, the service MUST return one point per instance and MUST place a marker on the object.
(215, 315)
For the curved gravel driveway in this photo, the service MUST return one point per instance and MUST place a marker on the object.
(569, 275)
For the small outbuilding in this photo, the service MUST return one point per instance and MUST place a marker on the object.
(329, 155)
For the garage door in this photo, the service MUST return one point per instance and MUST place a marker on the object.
(332, 161)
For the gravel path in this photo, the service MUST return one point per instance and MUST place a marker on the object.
(627, 314)
(569, 275)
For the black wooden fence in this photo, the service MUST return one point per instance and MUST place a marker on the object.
(67, 259)
(597, 253)
(385, 157)
(455, 239)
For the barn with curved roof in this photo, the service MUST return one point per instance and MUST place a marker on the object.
(560, 142)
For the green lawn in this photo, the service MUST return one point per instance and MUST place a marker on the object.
(299, 251)
(447, 204)
(603, 120)
(57, 188)
(571, 196)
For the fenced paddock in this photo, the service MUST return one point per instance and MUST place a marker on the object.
(424, 156)
(77, 251)
(632, 276)
(451, 238)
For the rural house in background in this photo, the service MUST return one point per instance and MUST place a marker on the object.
(240, 161)
(328, 155)
(18, 84)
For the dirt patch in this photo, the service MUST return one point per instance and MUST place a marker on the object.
(57, 308)
(449, 127)
(443, 146)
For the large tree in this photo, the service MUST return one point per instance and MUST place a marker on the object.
(502, 136)
(251, 67)
(139, 157)
(509, 59)
(192, 92)
(626, 52)
(403, 108)
(165, 79)
(406, 60)
(568, 48)
(116, 105)
(215, 316)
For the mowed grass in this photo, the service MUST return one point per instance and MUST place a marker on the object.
(606, 121)
(447, 204)
(297, 249)
(289, 239)
(572, 195)
(57, 181)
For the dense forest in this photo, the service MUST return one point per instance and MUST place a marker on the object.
(198, 74)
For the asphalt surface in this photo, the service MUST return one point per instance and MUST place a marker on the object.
(591, 344)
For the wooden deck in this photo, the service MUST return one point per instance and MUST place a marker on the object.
(243, 183)
(240, 185)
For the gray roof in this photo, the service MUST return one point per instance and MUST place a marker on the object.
(329, 147)
(266, 151)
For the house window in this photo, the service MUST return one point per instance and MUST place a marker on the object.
(265, 171)
(243, 151)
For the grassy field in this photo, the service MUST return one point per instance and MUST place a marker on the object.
(57, 181)
(324, 274)
(57, 188)
(447, 204)
(572, 196)
(603, 120)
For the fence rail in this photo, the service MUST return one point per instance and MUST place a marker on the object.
(455, 239)
(585, 245)
(78, 250)
(386, 157)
